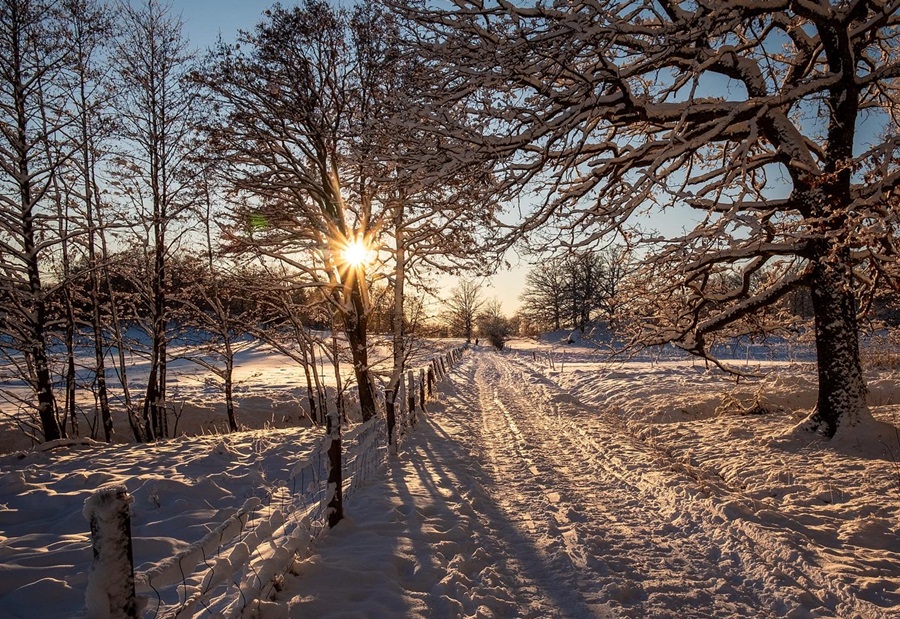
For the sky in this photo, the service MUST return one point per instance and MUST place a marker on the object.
(205, 20)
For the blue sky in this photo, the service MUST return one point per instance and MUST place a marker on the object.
(204, 19)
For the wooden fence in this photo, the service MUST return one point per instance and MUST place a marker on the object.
(243, 558)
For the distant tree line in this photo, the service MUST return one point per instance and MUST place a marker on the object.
(573, 290)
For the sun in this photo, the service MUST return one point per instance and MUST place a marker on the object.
(357, 253)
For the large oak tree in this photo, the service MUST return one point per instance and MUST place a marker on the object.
(773, 124)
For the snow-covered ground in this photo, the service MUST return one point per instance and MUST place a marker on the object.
(585, 488)
(269, 389)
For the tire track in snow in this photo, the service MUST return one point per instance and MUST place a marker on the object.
(555, 539)
(783, 577)
(503, 562)
(617, 549)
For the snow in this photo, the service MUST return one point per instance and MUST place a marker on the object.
(578, 488)
(111, 581)
(269, 390)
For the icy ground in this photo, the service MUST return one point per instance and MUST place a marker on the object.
(585, 489)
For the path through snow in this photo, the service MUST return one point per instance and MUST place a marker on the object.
(511, 499)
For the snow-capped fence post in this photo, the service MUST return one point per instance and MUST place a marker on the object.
(335, 508)
(411, 397)
(110, 591)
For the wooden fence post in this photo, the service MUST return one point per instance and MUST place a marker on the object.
(411, 397)
(422, 388)
(110, 591)
(391, 417)
(431, 380)
(335, 509)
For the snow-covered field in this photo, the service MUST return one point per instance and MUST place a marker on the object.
(269, 390)
(585, 488)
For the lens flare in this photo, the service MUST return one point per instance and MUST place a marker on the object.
(357, 253)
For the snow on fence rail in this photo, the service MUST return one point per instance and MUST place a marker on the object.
(243, 558)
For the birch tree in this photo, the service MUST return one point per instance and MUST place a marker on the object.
(772, 125)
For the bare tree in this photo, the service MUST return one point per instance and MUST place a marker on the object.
(157, 109)
(617, 266)
(748, 114)
(544, 295)
(573, 288)
(438, 211)
(90, 31)
(33, 146)
(292, 99)
(215, 306)
(462, 308)
(494, 325)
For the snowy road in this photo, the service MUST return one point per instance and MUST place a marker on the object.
(602, 535)
(514, 500)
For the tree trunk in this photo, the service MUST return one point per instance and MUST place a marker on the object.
(154, 407)
(151, 429)
(842, 388)
(43, 382)
(335, 509)
(46, 402)
(229, 387)
(320, 389)
(398, 343)
(356, 327)
(36, 319)
(310, 393)
(338, 382)
(70, 365)
(118, 338)
(88, 165)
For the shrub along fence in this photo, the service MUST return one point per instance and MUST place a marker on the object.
(244, 558)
